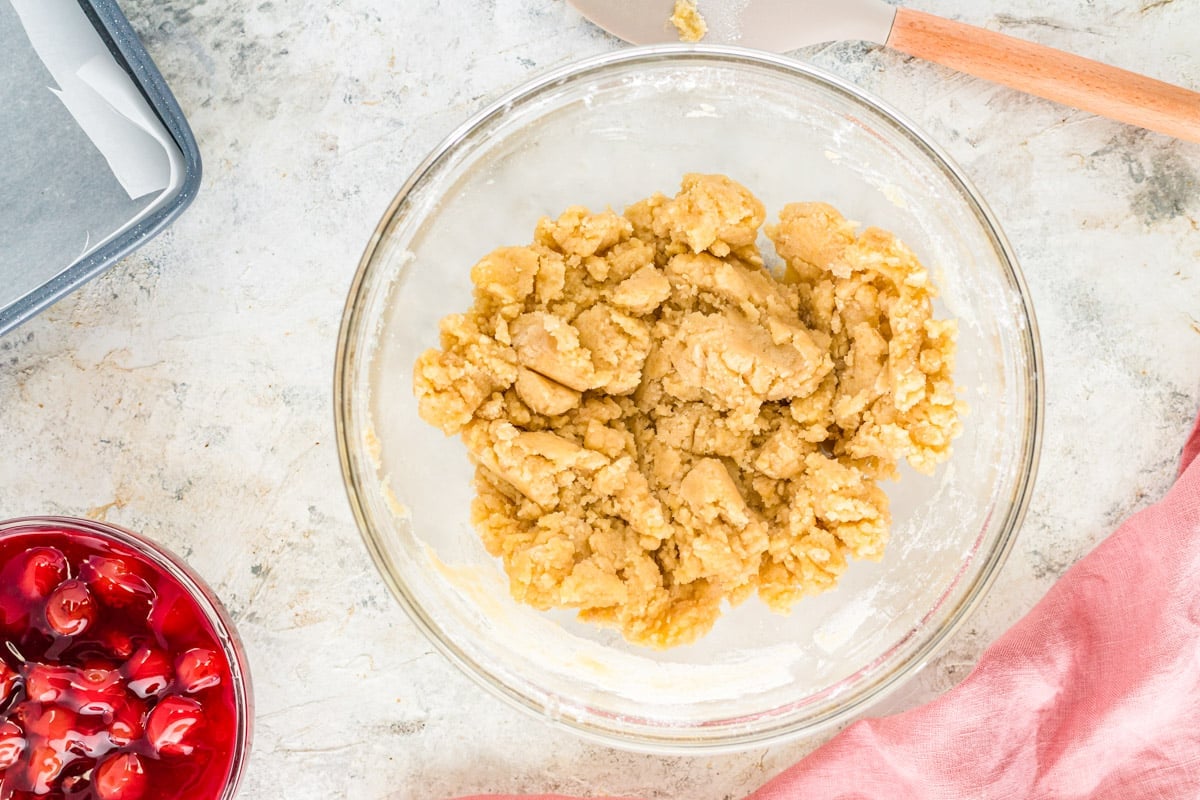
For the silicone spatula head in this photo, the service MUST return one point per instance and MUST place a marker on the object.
(773, 25)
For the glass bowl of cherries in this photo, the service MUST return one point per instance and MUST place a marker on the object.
(121, 676)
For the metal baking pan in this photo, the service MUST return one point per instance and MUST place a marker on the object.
(46, 209)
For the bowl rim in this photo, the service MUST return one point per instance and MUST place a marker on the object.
(645, 740)
(206, 601)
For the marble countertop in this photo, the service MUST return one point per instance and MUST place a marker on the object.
(187, 393)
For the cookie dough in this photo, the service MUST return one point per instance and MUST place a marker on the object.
(687, 20)
(660, 427)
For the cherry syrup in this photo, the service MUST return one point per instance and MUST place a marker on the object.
(114, 684)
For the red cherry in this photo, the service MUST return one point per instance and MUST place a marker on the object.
(129, 723)
(96, 690)
(115, 583)
(88, 738)
(8, 682)
(44, 766)
(46, 722)
(12, 744)
(91, 690)
(173, 618)
(198, 669)
(120, 777)
(148, 672)
(169, 727)
(70, 609)
(116, 642)
(46, 683)
(39, 570)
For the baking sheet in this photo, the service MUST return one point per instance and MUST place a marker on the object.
(83, 156)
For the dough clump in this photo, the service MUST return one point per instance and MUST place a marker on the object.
(660, 426)
(687, 20)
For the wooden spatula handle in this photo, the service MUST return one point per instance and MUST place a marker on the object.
(1043, 71)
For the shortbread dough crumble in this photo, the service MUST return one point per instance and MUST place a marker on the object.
(660, 426)
(687, 20)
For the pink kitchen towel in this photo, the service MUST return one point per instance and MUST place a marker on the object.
(1093, 694)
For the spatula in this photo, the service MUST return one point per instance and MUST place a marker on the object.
(783, 25)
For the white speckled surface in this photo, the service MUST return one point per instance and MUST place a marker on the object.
(187, 393)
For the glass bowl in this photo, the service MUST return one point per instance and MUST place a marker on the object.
(606, 132)
(184, 619)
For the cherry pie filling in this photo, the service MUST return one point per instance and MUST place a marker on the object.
(114, 684)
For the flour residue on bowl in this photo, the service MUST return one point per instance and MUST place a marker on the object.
(703, 110)
(838, 629)
(637, 678)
